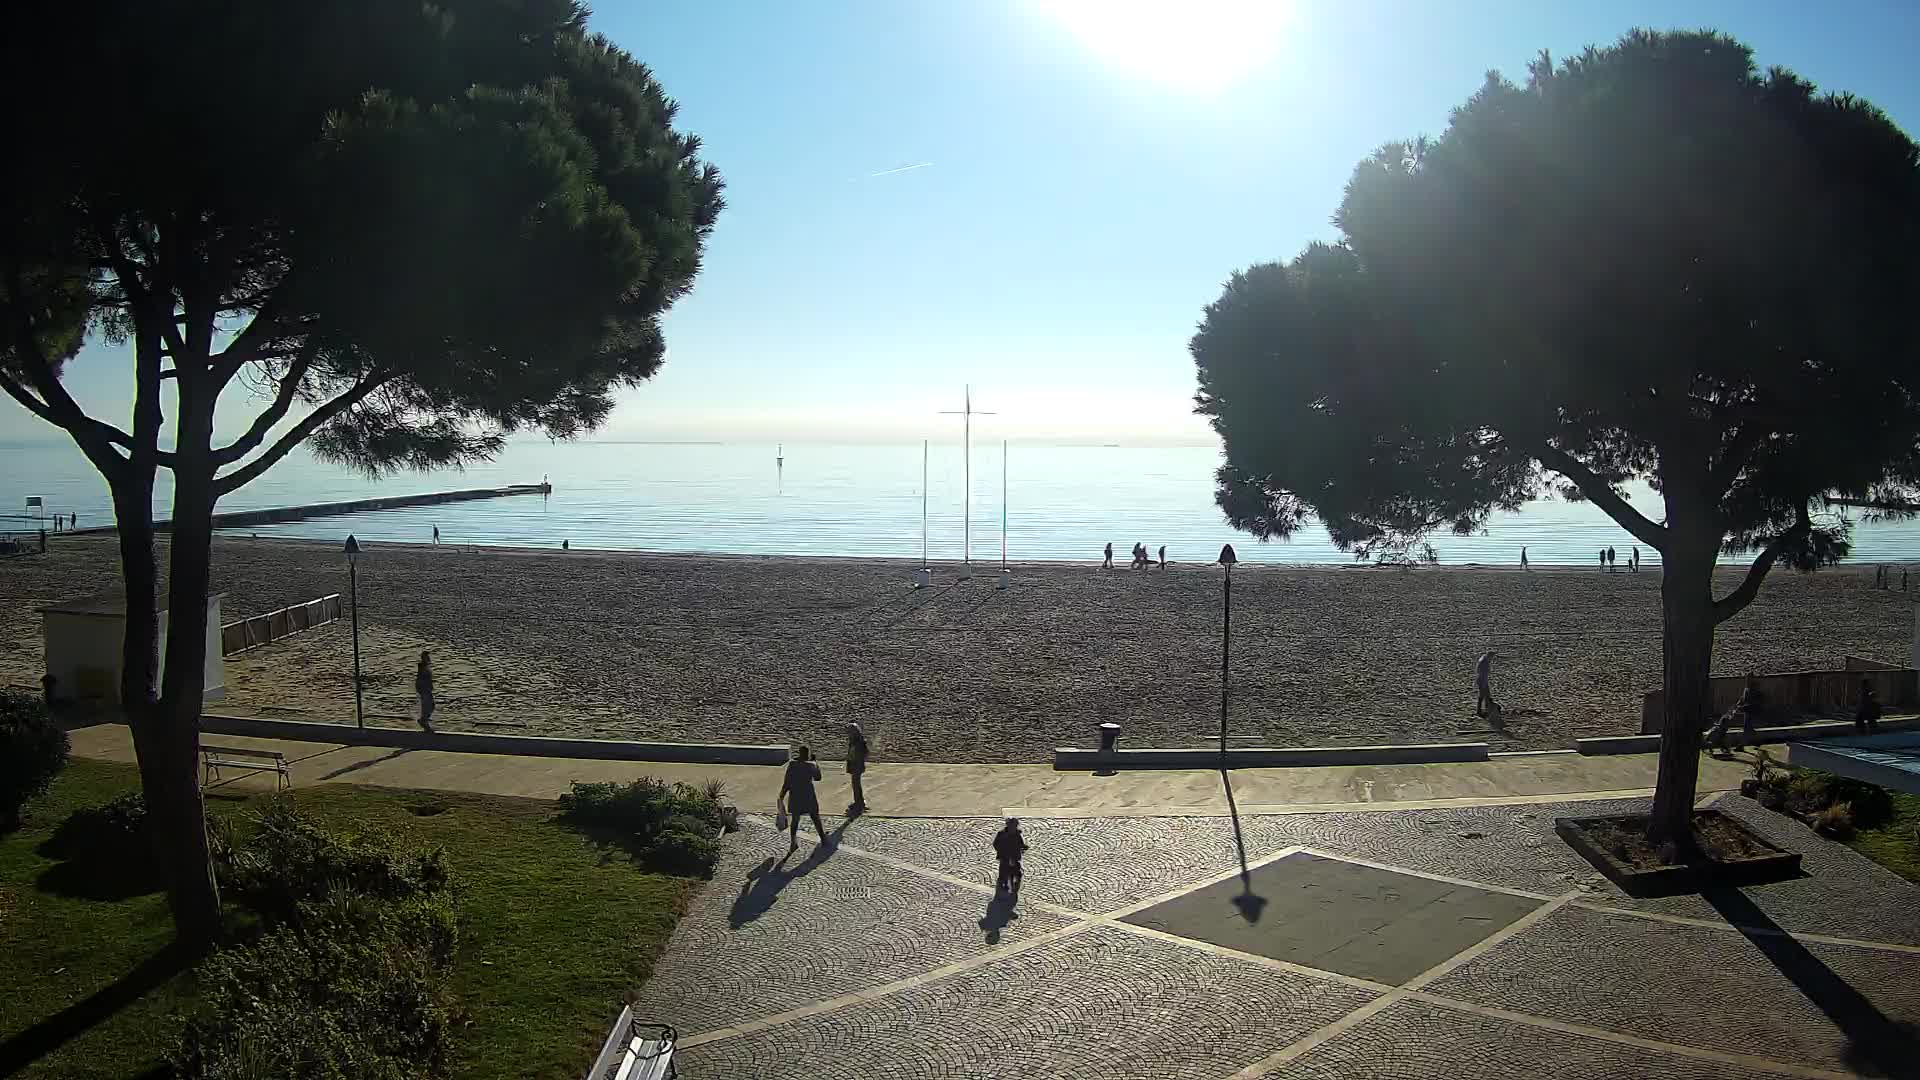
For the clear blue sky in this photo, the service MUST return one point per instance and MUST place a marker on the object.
(1089, 178)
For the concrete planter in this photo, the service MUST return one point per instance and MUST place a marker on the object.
(1776, 865)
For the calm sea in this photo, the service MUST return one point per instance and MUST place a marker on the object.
(1061, 503)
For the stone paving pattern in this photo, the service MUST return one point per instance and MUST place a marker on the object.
(1100, 999)
(1155, 1010)
(1697, 987)
(1415, 1040)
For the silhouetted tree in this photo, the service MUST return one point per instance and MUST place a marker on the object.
(410, 228)
(1650, 261)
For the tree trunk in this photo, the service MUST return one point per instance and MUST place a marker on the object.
(172, 782)
(1686, 602)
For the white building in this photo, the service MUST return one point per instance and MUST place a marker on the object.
(84, 640)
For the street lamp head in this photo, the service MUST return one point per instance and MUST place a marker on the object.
(353, 546)
(1227, 557)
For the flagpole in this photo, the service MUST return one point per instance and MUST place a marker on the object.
(966, 507)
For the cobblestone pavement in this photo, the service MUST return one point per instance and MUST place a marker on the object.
(885, 956)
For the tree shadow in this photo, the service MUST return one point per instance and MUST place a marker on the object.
(1000, 912)
(1249, 903)
(1876, 1045)
(96, 862)
(50, 1034)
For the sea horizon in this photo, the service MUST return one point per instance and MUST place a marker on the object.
(1063, 503)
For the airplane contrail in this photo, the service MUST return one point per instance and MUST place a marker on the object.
(901, 169)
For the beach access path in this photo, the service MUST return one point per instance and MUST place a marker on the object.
(973, 790)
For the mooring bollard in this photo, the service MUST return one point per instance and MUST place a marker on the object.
(1109, 733)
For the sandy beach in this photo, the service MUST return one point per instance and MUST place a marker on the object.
(773, 649)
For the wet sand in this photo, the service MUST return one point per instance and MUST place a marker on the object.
(772, 649)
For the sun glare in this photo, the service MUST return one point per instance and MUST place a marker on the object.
(1193, 44)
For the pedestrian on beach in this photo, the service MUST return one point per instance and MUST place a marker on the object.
(1866, 718)
(423, 686)
(1610, 558)
(1635, 564)
(1483, 681)
(1008, 846)
(1139, 557)
(799, 797)
(1106, 563)
(436, 534)
(1603, 560)
(1523, 558)
(857, 750)
(1163, 556)
(563, 545)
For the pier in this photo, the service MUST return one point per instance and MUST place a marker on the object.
(275, 515)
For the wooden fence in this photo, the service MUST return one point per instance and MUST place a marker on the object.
(274, 625)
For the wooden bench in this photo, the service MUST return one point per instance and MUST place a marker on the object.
(215, 758)
(635, 1050)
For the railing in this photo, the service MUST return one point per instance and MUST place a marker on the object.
(259, 630)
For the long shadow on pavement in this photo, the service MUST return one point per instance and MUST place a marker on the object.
(765, 882)
(1249, 903)
(1876, 1045)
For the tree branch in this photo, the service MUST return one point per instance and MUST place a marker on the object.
(1601, 493)
(138, 295)
(1736, 601)
(1746, 439)
(308, 424)
(55, 405)
(274, 413)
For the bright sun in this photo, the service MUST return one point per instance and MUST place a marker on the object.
(1194, 44)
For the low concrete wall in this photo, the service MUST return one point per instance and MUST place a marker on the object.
(464, 743)
(1784, 733)
(1069, 758)
(1795, 693)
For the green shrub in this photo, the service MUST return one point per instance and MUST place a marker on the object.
(289, 861)
(1811, 791)
(668, 828)
(33, 750)
(352, 978)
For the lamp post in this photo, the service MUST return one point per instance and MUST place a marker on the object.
(353, 592)
(1227, 559)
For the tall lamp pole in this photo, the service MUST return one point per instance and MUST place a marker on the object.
(353, 591)
(1227, 559)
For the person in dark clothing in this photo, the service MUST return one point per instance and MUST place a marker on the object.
(423, 686)
(1866, 718)
(1163, 556)
(1009, 844)
(1748, 708)
(799, 797)
(857, 750)
(1610, 558)
(1483, 681)
(1106, 563)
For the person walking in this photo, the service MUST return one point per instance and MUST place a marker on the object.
(423, 686)
(1635, 564)
(1106, 563)
(857, 750)
(1751, 702)
(1163, 556)
(1610, 558)
(1523, 558)
(1483, 681)
(798, 797)
(1603, 560)
(436, 534)
(1009, 844)
(1866, 718)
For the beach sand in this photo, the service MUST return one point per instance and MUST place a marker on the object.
(763, 650)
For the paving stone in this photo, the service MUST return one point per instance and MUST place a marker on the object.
(1088, 864)
(1810, 1004)
(1842, 893)
(1102, 1003)
(766, 936)
(1339, 916)
(1415, 1040)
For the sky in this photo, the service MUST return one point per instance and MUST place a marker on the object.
(1038, 197)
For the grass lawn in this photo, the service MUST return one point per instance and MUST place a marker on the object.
(552, 933)
(1895, 845)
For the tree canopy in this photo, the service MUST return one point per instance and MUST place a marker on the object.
(1649, 261)
(409, 228)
